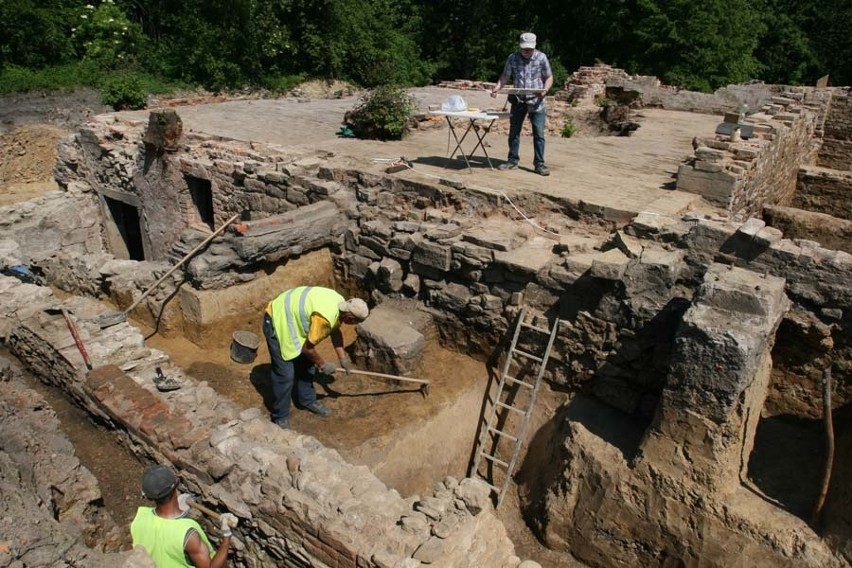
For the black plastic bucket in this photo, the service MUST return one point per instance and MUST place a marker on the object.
(244, 346)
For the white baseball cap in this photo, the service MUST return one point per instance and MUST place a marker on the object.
(355, 306)
(527, 40)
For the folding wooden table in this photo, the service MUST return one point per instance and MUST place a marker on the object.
(480, 122)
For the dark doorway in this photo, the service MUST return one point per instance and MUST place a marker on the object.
(202, 198)
(126, 218)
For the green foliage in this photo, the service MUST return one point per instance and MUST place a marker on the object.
(106, 36)
(124, 91)
(560, 75)
(699, 45)
(569, 128)
(383, 114)
(34, 33)
(22, 79)
(283, 83)
(223, 44)
(370, 43)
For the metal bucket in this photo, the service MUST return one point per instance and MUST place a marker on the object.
(244, 346)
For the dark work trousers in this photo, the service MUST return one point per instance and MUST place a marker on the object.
(285, 374)
(516, 124)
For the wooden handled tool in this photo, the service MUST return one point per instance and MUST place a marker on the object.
(80, 347)
(424, 385)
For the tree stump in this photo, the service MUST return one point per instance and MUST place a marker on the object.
(165, 129)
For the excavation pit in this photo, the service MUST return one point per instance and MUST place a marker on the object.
(641, 377)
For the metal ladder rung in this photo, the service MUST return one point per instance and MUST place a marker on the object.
(513, 380)
(535, 358)
(512, 408)
(535, 328)
(496, 460)
(502, 433)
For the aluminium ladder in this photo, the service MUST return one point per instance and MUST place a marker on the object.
(506, 406)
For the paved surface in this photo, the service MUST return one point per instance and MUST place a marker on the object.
(617, 176)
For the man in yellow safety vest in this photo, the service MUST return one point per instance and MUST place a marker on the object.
(294, 323)
(170, 538)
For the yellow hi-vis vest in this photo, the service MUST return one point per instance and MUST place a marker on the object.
(291, 315)
(163, 539)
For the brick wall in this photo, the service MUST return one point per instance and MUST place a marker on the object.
(742, 176)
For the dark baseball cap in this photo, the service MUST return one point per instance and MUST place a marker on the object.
(158, 482)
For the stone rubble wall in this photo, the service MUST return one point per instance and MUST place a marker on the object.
(743, 176)
(299, 503)
(836, 150)
(684, 485)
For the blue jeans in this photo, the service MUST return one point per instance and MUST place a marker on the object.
(285, 374)
(516, 123)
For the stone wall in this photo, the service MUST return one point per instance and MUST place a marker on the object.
(824, 191)
(684, 486)
(836, 150)
(829, 231)
(744, 175)
(299, 504)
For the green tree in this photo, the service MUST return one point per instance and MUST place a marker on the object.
(698, 45)
(829, 28)
(36, 33)
(105, 36)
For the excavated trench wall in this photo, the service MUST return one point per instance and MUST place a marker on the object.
(836, 151)
(624, 297)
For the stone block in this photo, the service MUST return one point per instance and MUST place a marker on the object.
(387, 343)
(610, 265)
(751, 227)
(432, 255)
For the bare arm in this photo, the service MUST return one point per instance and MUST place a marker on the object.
(200, 555)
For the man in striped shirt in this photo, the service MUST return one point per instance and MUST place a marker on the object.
(528, 69)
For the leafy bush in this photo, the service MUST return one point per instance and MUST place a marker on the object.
(106, 36)
(569, 128)
(282, 83)
(383, 114)
(124, 91)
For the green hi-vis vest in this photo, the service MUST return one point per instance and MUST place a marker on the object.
(291, 315)
(163, 539)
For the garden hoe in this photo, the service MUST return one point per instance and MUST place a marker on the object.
(424, 385)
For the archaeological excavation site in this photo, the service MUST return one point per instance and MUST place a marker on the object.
(644, 359)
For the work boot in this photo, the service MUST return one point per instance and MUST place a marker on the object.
(542, 170)
(507, 166)
(318, 408)
(284, 423)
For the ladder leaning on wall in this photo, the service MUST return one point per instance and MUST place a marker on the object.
(511, 408)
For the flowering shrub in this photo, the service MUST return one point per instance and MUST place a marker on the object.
(105, 36)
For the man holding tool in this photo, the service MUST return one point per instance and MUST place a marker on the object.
(169, 538)
(529, 70)
(294, 323)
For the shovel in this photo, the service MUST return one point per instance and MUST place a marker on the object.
(424, 385)
(110, 319)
